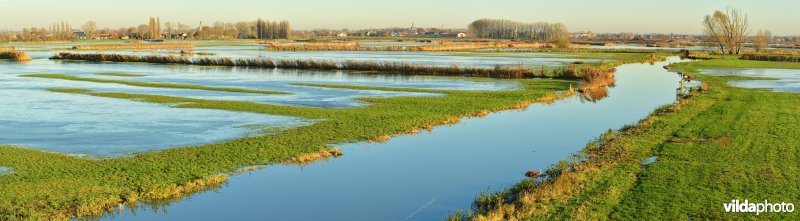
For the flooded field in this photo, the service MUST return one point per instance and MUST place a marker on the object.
(241, 49)
(103, 127)
(428, 176)
(421, 177)
(785, 80)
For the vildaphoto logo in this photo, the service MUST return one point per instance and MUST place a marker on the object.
(735, 206)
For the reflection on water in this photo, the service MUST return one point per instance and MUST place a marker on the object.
(787, 80)
(428, 176)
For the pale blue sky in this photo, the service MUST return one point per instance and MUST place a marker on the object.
(640, 16)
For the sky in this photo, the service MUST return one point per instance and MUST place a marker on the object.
(599, 16)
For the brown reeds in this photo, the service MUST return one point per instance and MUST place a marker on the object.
(315, 46)
(131, 46)
(15, 55)
(355, 46)
(589, 74)
(171, 59)
(595, 80)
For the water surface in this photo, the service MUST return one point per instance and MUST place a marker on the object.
(428, 176)
(787, 80)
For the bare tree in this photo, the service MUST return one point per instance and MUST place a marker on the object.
(728, 29)
(760, 41)
(170, 28)
(90, 29)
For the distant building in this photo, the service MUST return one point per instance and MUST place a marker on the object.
(80, 34)
(453, 35)
(341, 35)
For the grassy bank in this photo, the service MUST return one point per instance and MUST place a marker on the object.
(715, 146)
(151, 84)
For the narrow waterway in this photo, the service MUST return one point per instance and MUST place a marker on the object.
(427, 176)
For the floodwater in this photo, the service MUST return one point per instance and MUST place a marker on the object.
(239, 49)
(786, 80)
(83, 125)
(105, 127)
(428, 176)
(6, 171)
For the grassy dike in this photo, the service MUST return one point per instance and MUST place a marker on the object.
(721, 144)
(55, 186)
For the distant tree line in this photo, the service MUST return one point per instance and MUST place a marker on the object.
(272, 29)
(506, 29)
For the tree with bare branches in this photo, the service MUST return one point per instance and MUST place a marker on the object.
(727, 29)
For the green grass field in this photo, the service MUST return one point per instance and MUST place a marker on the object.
(718, 145)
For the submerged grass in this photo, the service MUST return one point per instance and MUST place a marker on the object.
(717, 145)
(114, 74)
(152, 84)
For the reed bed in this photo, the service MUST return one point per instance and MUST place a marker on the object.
(586, 73)
(131, 46)
(15, 55)
(8, 48)
(355, 46)
(771, 57)
(315, 46)
(169, 59)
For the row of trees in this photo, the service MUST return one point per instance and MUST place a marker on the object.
(260, 29)
(61, 30)
(272, 29)
(506, 29)
(155, 31)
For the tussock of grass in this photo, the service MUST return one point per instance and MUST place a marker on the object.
(15, 55)
(151, 84)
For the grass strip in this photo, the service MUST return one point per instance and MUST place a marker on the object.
(152, 84)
